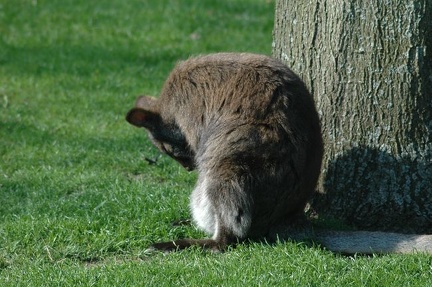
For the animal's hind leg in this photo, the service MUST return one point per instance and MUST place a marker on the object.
(222, 238)
(220, 208)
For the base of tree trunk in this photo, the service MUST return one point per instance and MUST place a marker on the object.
(386, 202)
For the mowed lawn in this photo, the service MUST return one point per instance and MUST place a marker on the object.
(79, 204)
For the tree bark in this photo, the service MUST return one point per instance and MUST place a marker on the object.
(369, 66)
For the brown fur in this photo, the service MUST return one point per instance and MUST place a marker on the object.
(249, 126)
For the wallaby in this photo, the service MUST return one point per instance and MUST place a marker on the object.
(249, 126)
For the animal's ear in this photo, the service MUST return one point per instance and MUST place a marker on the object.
(143, 118)
(148, 103)
(145, 114)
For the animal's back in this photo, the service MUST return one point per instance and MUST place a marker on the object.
(250, 121)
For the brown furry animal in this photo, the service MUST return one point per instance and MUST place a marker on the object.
(249, 126)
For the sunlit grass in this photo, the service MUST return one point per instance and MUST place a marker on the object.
(79, 205)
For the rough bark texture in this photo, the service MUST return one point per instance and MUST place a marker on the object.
(369, 66)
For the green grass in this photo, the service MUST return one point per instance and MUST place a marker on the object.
(78, 203)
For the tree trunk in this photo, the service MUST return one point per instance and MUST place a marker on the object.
(369, 66)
